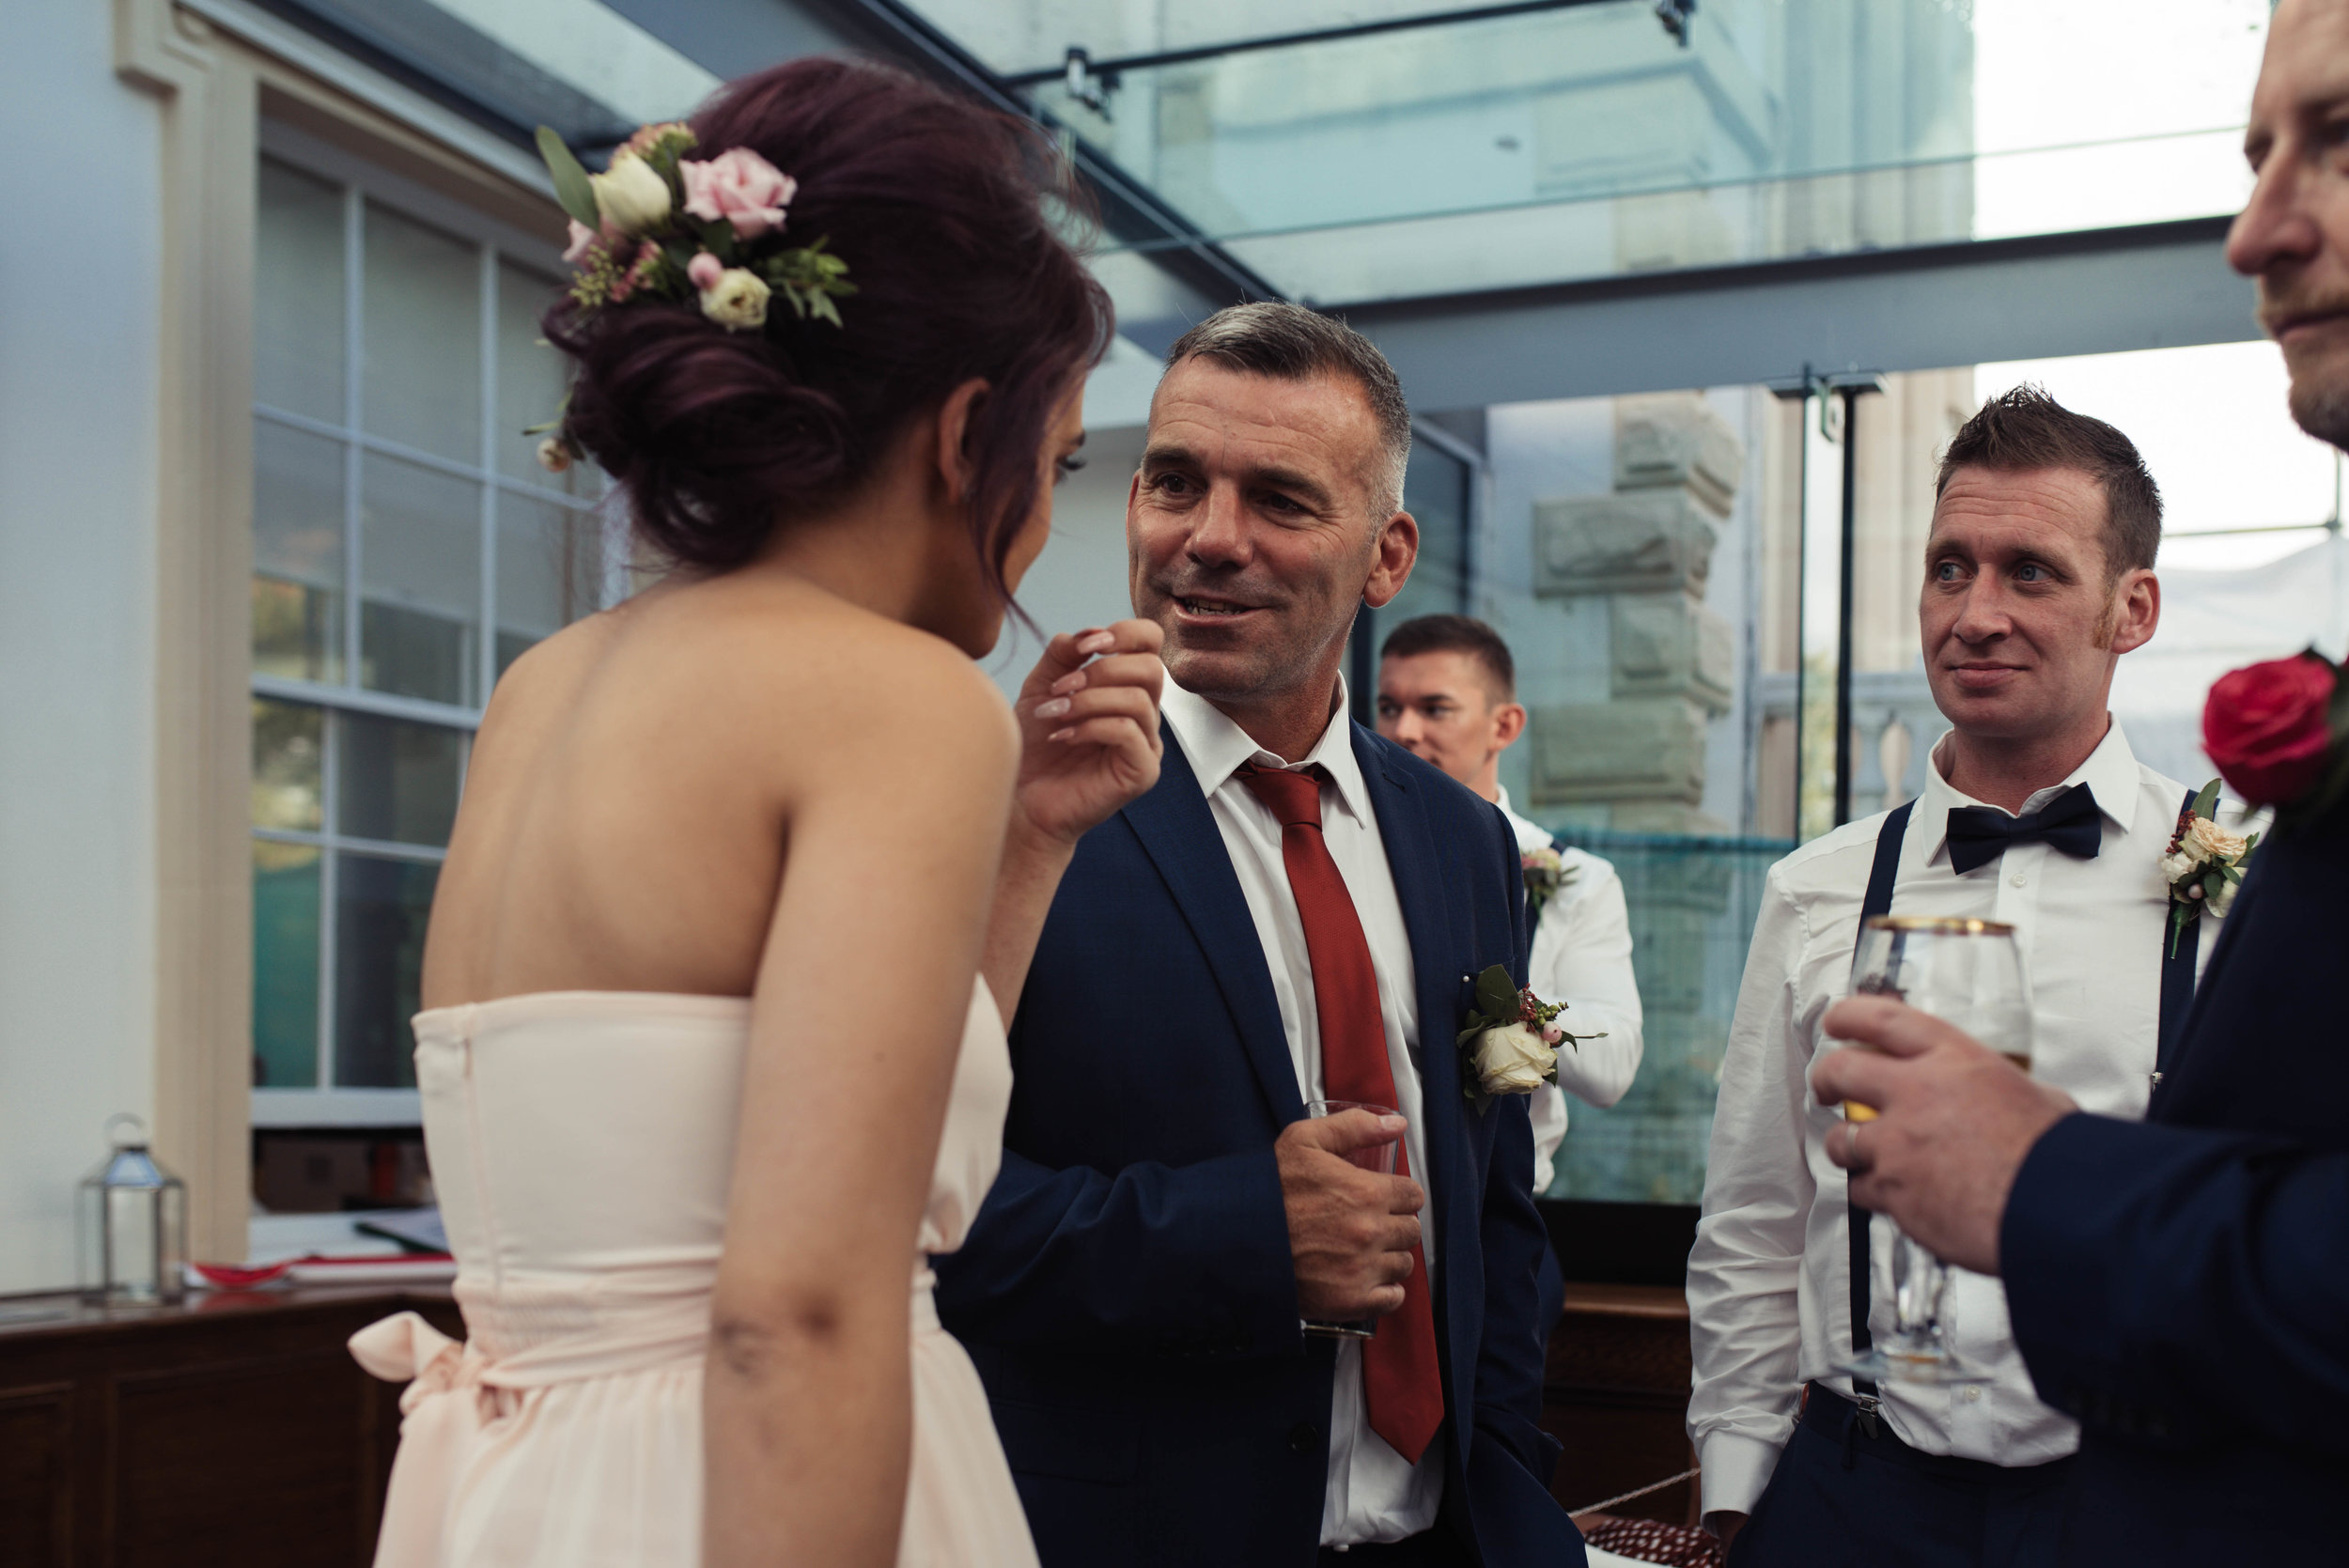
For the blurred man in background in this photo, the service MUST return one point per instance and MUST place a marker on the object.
(1447, 693)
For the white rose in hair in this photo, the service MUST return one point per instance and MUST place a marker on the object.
(2207, 840)
(736, 301)
(1513, 1059)
(631, 195)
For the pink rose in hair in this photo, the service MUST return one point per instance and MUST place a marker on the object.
(741, 187)
(582, 239)
(705, 270)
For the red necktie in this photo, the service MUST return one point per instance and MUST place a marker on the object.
(1402, 1384)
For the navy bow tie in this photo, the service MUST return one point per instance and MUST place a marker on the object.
(1980, 834)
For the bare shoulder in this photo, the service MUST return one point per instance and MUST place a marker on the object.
(825, 678)
(544, 679)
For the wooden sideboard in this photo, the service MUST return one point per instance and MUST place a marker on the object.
(233, 1429)
(1616, 1394)
(236, 1429)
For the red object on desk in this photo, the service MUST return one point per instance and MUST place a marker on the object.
(396, 1268)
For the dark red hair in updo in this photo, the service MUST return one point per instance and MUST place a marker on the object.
(935, 204)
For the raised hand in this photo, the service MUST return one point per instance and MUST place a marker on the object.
(1089, 729)
(1954, 1122)
(1350, 1231)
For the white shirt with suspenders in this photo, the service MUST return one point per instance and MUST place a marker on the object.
(1770, 1279)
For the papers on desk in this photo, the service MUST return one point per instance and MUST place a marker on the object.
(410, 1270)
(383, 1247)
(413, 1229)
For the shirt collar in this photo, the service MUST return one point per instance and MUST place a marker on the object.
(2111, 773)
(1531, 834)
(1216, 747)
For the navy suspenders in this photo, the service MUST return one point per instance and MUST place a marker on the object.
(2177, 995)
(2177, 987)
(1879, 902)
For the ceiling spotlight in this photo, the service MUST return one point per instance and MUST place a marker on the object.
(1084, 84)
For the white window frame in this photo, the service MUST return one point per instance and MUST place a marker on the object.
(327, 1104)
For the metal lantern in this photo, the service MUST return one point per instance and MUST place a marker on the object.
(133, 1223)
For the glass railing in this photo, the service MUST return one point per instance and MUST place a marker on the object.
(1692, 902)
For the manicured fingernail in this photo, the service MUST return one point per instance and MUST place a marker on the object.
(1052, 709)
(1066, 684)
(1062, 734)
(1094, 641)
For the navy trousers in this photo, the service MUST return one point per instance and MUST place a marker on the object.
(1840, 1499)
(1433, 1548)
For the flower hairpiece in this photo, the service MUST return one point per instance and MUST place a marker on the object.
(659, 224)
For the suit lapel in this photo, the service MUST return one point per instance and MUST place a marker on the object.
(1179, 832)
(1427, 917)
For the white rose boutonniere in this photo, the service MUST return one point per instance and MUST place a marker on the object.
(2203, 864)
(1545, 872)
(1509, 1040)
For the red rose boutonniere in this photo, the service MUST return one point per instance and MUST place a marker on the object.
(2276, 729)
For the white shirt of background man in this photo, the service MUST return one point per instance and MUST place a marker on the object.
(1373, 1493)
(1583, 958)
(1768, 1278)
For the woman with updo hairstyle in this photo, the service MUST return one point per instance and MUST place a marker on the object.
(713, 1053)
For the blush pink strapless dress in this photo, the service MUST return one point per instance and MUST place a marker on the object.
(582, 1144)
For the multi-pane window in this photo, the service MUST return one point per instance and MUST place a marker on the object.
(407, 547)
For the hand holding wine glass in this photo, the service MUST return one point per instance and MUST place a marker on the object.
(1956, 1121)
(1969, 974)
(1352, 1221)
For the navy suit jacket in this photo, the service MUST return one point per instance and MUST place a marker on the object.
(1126, 1290)
(2181, 1286)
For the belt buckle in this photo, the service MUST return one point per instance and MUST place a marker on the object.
(1867, 1411)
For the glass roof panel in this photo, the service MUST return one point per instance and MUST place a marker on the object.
(1581, 140)
(575, 65)
(1586, 141)
(1012, 37)
(597, 50)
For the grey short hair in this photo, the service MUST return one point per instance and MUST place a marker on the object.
(1273, 337)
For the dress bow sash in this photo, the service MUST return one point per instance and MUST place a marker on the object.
(441, 1417)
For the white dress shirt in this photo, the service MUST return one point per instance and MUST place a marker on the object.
(1583, 958)
(1768, 1278)
(1373, 1493)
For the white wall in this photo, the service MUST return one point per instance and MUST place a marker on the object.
(78, 376)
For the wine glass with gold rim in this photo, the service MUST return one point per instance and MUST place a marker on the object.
(1968, 974)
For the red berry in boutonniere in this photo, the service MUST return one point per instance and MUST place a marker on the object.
(2269, 730)
(1509, 1040)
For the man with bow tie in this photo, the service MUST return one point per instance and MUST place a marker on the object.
(2037, 577)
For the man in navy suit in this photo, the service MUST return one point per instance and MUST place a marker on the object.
(2181, 1285)
(1296, 912)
